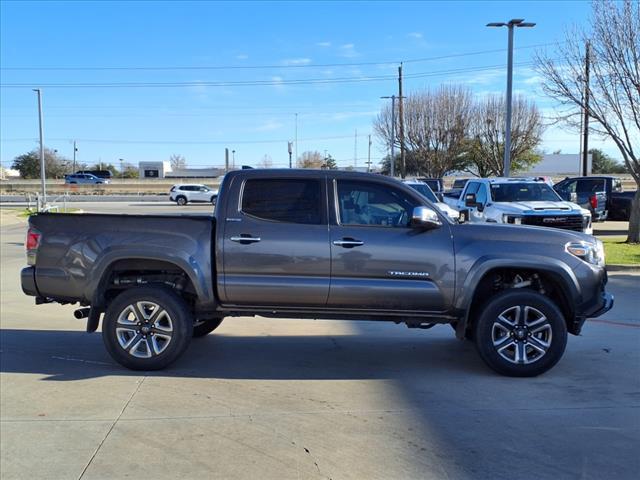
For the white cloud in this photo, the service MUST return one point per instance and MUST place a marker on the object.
(323, 44)
(277, 82)
(242, 56)
(348, 50)
(296, 61)
(416, 35)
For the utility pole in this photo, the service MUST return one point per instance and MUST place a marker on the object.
(226, 160)
(585, 122)
(511, 24)
(369, 156)
(290, 150)
(43, 184)
(296, 138)
(355, 151)
(392, 162)
(403, 173)
(75, 149)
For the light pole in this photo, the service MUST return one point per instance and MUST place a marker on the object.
(233, 159)
(43, 203)
(121, 168)
(511, 24)
(393, 133)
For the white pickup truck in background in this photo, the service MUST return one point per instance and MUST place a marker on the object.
(520, 201)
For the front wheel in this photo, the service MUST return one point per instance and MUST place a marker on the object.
(147, 328)
(205, 327)
(520, 333)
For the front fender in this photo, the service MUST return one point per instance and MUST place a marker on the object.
(483, 265)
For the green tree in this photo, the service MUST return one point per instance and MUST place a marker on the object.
(603, 163)
(329, 163)
(28, 164)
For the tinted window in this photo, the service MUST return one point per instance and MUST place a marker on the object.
(523, 192)
(292, 201)
(460, 183)
(472, 188)
(591, 185)
(366, 203)
(481, 194)
(424, 190)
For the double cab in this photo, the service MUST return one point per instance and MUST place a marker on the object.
(318, 244)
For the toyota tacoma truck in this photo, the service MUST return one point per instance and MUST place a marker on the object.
(520, 201)
(317, 244)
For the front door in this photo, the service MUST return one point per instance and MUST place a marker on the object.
(378, 261)
(276, 243)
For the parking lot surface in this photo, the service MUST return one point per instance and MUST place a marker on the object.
(281, 399)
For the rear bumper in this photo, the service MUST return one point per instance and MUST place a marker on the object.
(28, 281)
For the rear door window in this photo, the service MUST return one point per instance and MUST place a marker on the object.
(283, 200)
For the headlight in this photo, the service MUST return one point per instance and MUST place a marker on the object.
(589, 252)
(511, 219)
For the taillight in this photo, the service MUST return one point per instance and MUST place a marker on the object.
(593, 200)
(32, 244)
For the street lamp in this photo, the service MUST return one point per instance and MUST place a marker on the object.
(121, 168)
(233, 158)
(516, 22)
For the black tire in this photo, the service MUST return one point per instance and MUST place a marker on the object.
(205, 327)
(133, 327)
(214, 199)
(520, 333)
(181, 200)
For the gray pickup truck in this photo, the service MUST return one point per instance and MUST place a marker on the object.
(318, 244)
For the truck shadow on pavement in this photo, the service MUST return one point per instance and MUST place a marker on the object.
(70, 355)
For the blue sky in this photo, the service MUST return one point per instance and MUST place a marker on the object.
(296, 40)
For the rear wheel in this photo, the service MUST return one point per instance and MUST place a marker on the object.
(205, 327)
(181, 200)
(520, 333)
(147, 328)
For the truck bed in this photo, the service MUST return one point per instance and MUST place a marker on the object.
(77, 250)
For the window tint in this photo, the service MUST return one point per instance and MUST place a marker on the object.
(472, 188)
(481, 194)
(590, 185)
(292, 201)
(366, 203)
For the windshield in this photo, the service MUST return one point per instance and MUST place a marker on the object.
(460, 183)
(523, 192)
(425, 191)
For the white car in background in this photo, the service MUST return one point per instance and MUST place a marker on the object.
(425, 191)
(183, 194)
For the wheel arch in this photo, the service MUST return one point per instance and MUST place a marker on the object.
(559, 279)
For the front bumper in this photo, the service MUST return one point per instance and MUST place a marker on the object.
(607, 304)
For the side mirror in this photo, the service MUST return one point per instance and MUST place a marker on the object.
(470, 200)
(424, 217)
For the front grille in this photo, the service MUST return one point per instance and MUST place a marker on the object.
(566, 222)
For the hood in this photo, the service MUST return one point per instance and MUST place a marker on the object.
(540, 207)
(451, 212)
(528, 235)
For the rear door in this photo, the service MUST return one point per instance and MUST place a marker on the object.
(378, 261)
(276, 242)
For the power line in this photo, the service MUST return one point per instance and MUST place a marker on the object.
(311, 81)
(265, 67)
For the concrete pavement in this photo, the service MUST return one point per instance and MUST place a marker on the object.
(263, 398)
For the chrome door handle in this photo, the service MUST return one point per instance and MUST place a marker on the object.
(245, 239)
(348, 243)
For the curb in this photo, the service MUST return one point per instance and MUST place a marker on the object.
(623, 268)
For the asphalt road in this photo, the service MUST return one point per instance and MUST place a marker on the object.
(300, 399)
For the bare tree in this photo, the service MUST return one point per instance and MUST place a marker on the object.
(436, 125)
(310, 159)
(178, 162)
(266, 162)
(485, 146)
(614, 87)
